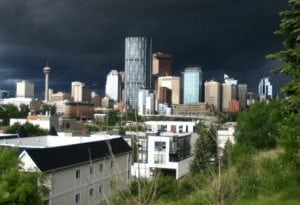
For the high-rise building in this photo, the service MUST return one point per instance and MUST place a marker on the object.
(80, 92)
(229, 80)
(25, 89)
(192, 85)
(47, 71)
(161, 66)
(213, 94)
(265, 88)
(172, 83)
(228, 94)
(137, 68)
(113, 86)
(242, 95)
(146, 101)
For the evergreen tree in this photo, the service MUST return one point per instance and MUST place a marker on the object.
(290, 130)
(205, 150)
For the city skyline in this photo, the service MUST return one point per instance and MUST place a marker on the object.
(230, 37)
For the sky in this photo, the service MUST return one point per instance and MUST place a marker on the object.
(84, 40)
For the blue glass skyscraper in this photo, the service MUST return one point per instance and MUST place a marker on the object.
(192, 85)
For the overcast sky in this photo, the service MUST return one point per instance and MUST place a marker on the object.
(84, 40)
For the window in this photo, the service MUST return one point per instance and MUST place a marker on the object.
(91, 170)
(100, 189)
(159, 158)
(112, 164)
(91, 191)
(101, 167)
(77, 198)
(160, 146)
(77, 173)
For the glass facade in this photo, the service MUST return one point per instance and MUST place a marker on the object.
(192, 85)
(136, 63)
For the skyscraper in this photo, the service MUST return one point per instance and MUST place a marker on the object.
(229, 91)
(192, 85)
(213, 94)
(80, 92)
(137, 68)
(113, 85)
(161, 66)
(25, 89)
(265, 88)
(172, 83)
(242, 95)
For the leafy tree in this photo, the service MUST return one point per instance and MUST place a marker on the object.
(112, 118)
(290, 56)
(28, 128)
(16, 186)
(12, 111)
(258, 126)
(205, 150)
(48, 108)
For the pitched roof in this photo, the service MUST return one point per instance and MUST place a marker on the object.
(51, 158)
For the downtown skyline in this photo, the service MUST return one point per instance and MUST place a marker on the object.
(75, 37)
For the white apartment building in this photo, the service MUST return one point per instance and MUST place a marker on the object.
(171, 126)
(161, 153)
(78, 170)
(226, 134)
(25, 89)
(113, 86)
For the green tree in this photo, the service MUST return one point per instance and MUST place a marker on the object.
(257, 126)
(205, 151)
(28, 128)
(12, 111)
(289, 130)
(16, 186)
(112, 118)
(48, 108)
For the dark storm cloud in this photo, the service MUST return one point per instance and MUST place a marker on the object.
(83, 40)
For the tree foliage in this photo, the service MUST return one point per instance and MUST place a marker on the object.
(16, 186)
(27, 129)
(290, 56)
(258, 126)
(51, 109)
(205, 150)
(12, 111)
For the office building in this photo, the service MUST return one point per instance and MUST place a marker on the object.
(25, 89)
(265, 88)
(146, 102)
(242, 95)
(59, 99)
(161, 66)
(137, 68)
(229, 80)
(172, 83)
(113, 86)
(76, 169)
(80, 92)
(213, 94)
(192, 85)
(228, 94)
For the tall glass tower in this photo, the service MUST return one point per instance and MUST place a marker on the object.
(137, 69)
(192, 85)
(265, 87)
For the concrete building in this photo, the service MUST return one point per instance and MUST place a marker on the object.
(228, 94)
(192, 85)
(25, 89)
(80, 92)
(17, 101)
(170, 126)
(43, 121)
(77, 170)
(172, 83)
(163, 153)
(251, 98)
(229, 80)
(106, 102)
(242, 95)
(234, 106)
(191, 109)
(161, 66)
(47, 71)
(113, 86)
(146, 102)
(137, 68)
(265, 89)
(59, 99)
(79, 110)
(213, 94)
